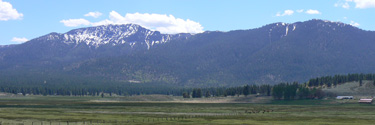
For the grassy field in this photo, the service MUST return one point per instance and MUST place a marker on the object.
(38, 110)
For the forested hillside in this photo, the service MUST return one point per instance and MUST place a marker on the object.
(271, 54)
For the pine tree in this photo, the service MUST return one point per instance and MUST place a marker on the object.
(194, 94)
(185, 95)
(277, 91)
(199, 93)
(208, 94)
(246, 90)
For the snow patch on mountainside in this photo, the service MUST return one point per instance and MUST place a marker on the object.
(129, 34)
(286, 30)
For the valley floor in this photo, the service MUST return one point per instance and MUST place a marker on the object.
(37, 110)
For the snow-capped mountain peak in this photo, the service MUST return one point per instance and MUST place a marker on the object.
(127, 34)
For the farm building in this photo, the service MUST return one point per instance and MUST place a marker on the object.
(344, 97)
(365, 101)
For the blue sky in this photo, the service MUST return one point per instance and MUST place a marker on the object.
(22, 20)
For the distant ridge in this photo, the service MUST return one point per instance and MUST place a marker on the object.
(129, 34)
(278, 52)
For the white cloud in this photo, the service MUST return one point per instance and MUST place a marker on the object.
(163, 23)
(159, 22)
(310, 11)
(103, 22)
(346, 5)
(354, 23)
(286, 13)
(75, 22)
(19, 40)
(336, 4)
(93, 14)
(291, 12)
(300, 11)
(7, 12)
(342, 4)
(362, 4)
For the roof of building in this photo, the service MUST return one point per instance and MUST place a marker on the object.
(365, 100)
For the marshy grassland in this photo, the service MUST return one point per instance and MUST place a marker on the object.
(59, 110)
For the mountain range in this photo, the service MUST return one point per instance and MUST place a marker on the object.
(278, 52)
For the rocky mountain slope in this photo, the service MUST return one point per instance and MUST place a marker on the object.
(273, 53)
(61, 49)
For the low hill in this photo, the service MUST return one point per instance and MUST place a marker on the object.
(367, 89)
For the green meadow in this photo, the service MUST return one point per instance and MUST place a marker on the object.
(58, 110)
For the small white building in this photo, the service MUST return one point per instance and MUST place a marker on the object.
(344, 97)
(365, 101)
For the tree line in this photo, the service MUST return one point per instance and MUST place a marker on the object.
(286, 91)
(134, 89)
(312, 88)
(330, 81)
(120, 89)
(227, 91)
(291, 91)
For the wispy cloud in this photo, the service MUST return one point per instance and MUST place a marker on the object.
(299, 11)
(286, 13)
(160, 22)
(75, 22)
(361, 4)
(7, 12)
(291, 12)
(19, 40)
(364, 3)
(346, 6)
(310, 11)
(93, 14)
(354, 23)
(343, 4)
